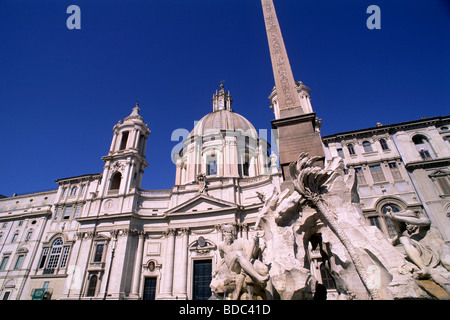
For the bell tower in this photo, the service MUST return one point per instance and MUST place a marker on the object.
(125, 162)
(295, 122)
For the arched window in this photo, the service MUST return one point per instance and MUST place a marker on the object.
(115, 181)
(351, 149)
(387, 220)
(384, 144)
(92, 286)
(367, 146)
(73, 191)
(383, 222)
(57, 256)
(423, 147)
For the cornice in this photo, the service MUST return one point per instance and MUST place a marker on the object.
(422, 164)
(85, 177)
(390, 128)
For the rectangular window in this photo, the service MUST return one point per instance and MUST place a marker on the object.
(20, 223)
(64, 257)
(53, 259)
(340, 152)
(67, 212)
(123, 143)
(377, 173)
(19, 262)
(82, 188)
(211, 168)
(395, 171)
(4, 225)
(350, 148)
(99, 253)
(425, 154)
(4, 262)
(44, 258)
(367, 146)
(14, 238)
(58, 212)
(77, 212)
(360, 176)
(28, 235)
(384, 144)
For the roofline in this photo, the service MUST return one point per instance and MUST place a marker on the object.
(387, 127)
(25, 195)
(80, 176)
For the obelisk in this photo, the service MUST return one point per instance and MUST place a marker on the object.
(295, 122)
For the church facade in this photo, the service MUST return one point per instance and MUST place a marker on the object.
(101, 236)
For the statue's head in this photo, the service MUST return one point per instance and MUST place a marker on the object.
(229, 233)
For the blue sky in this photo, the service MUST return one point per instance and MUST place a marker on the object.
(62, 91)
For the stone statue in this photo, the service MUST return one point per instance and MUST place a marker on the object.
(239, 268)
(310, 181)
(273, 163)
(319, 208)
(406, 223)
(201, 180)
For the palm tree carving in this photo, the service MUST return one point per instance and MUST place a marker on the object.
(311, 182)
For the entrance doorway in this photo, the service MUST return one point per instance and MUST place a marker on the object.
(149, 289)
(202, 279)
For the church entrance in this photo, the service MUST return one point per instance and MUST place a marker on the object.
(149, 289)
(202, 279)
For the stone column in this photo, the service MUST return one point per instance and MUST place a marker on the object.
(168, 265)
(180, 285)
(244, 228)
(138, 264)
(113, 143)
(178, 172)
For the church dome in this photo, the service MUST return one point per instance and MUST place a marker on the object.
(223, 144)
(223, 119)
(220, 120)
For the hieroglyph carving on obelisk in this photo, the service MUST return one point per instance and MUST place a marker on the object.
(284, 79)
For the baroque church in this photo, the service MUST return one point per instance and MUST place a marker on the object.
(101, 236)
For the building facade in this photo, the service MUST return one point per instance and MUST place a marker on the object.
(403, 165)
(101, 236)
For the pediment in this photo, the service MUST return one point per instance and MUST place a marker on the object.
(202, 203)
(439, 173)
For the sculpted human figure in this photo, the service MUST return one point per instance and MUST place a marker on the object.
(273, 162)
(241, 255)
(201, 180)
(406, 223)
